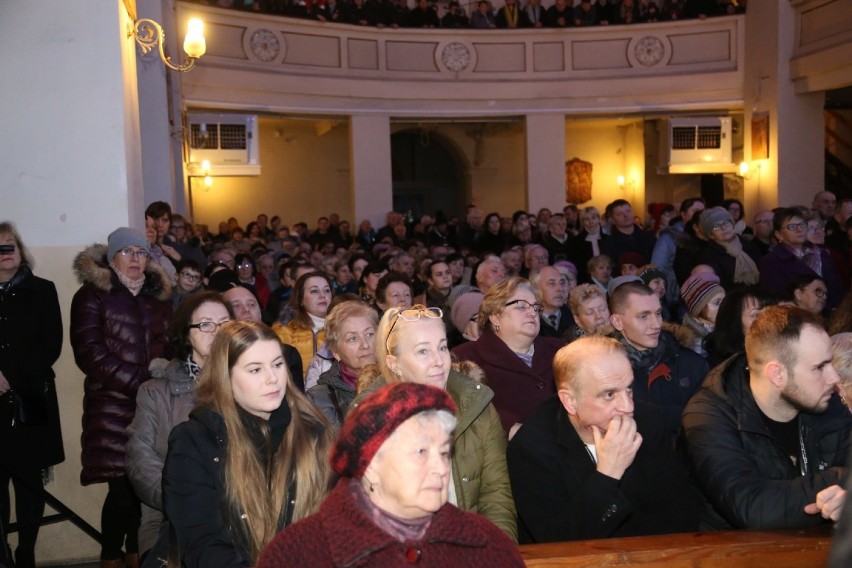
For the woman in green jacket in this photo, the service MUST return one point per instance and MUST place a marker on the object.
(411, 346)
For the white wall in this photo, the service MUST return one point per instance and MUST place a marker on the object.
(69, 174)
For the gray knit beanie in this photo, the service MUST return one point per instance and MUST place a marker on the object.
(712, 217)
(125, 237)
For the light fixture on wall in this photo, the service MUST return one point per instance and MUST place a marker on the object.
(201, 170)
(624, 183)
(747, 170)
(149, 33)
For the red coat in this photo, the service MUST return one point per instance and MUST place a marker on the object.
(340, 534)
(518, 390)
(114, 335)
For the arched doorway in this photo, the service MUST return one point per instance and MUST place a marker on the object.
(428, 174)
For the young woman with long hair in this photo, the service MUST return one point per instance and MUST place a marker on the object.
(252, 458)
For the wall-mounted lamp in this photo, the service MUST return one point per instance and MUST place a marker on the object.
(624, 183)
(149, 33)
(747, 170)
(201, 170)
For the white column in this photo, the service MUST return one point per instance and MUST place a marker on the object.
(545, 145)
(370, 164)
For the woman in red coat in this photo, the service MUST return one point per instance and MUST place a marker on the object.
(119, 318)
(390, 506)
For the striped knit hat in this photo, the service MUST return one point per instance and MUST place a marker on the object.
(697, 293)
(369, 424)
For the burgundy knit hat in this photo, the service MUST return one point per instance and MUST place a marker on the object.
(369, 424)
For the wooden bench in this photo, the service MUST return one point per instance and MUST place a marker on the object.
(748, 549)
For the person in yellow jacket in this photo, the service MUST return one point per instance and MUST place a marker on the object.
(306, 331)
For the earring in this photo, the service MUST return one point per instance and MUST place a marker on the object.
(371, 488)
(496, 329)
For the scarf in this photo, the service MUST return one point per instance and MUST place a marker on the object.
(812, 257)
(595, 238)
(745, 270)
(512, 16)
(135, 286)
(347, 375)
(403, 530)
(642, 360)
(192, 368)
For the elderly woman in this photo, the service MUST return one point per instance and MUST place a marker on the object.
(350, 332)
(118, 325)
(166, 400)
(369, 280)
(390, 506)
(794, 257)
(393, 291)
(732, 258)
(841, 346)
(810, 293)
(590, 310)
(517, 362)
(702, 295)
(415, 350)
(306, 331)
(30, 434)
(251, 459)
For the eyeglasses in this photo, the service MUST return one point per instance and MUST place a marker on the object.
(191, 277)
(523, 306)
(820, 293)
(816, 228)
(130, 253)
(245, 265)
(413, 315)
(797, 226)
(208, 326)
(542, 258)
(722, 225)
(178, 227)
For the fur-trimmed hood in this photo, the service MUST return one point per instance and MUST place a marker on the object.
(684, 334)
(92, 266)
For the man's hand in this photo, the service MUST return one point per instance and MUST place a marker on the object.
(829, 503)
(617, 448)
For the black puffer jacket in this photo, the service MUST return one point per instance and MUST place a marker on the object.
(747, 477)
(114, 335)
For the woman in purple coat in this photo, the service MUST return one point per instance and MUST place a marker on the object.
(119, 318)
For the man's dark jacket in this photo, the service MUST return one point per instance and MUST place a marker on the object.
(561, 496)
(743, 470)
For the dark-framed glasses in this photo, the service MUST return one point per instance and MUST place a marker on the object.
(801, 226)
(208, 326)
(722, 225)
(133, 253)
(190, 276)
(523, 306)
(413, 314)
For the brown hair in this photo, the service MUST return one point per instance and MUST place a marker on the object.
(775, 334)
(302, 455)
(300, 316)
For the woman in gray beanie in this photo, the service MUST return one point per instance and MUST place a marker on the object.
(119, 318)
(733, 258)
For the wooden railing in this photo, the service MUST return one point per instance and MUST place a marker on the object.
(735, 549)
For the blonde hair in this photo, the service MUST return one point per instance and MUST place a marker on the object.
(342, 312)
(569, 362)
(495, 300)
(389, 344)
(301, 457)
(841, 346)
(8, 228)
(582, 294)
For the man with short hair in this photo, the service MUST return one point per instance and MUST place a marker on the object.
(402, 262)
(489, 272)
(513, 260)
(625, 235)
(471, 229)
(667, 374)
(824, 203)
(767, 437)
(763, 231)
(535, 257)
(591, 463)
(553, 288)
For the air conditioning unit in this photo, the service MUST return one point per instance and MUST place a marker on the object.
(229, 142)
(700, 145)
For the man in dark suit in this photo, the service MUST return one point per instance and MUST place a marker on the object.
(590, 463)
(555, 316)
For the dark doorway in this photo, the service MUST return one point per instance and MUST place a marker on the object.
(428, 175)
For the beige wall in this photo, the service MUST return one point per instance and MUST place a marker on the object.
(304, 175)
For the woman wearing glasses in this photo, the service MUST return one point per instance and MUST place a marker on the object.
(251, 459)
(518, 363)
(412, 347)
(30, 433)
(119, 318)
(166, 400)
(733, 258)
(250, 277)
(794, 257)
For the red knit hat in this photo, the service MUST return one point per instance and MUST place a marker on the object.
(369, 424)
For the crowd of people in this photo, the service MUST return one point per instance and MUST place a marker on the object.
(439, 389)
(484, 15)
